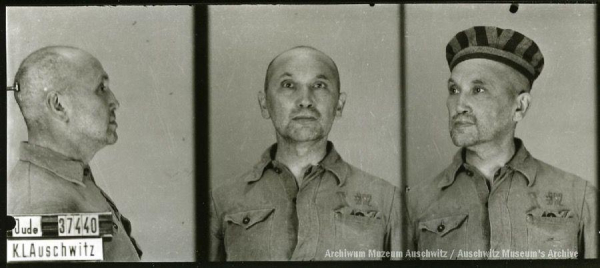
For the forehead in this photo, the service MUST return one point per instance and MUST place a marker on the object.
(303, 63)
(89, 69)
(484, 70)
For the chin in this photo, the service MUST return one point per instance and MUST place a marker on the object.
(463, 139)
(112, 139)
(304, 134)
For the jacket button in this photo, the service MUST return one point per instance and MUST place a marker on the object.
(469, 173)
(277, 170)
(115, 226)
(441, 227)
(246, 220)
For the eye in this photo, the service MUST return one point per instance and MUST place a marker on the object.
(287, 84)
(479, 89)
(320, 85)
(453, 90)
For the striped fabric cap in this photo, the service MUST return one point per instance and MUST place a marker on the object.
(503, 45)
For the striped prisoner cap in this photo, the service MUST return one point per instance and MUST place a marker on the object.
(503, 45)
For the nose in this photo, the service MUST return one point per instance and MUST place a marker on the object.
(113, 102)
(306, 98)
(463, 104)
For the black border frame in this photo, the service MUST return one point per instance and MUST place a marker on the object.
(202, 138)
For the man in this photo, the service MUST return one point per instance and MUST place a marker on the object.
(496, 200)
(69, 111)
(301, 201)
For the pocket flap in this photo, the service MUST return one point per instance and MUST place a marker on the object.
(550, 214)
(364, 213)
(442, 226)
(249, 218)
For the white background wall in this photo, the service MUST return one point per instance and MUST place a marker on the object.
(147, 52)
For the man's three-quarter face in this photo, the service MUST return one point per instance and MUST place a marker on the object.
(481, 101)
(93, 103)
(302, 95)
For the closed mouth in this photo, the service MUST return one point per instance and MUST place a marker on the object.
(463, 123)
(304, 117)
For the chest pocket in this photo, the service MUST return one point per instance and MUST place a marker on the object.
(359, 232)
(248, 234)
(552, 234)
(447, 234)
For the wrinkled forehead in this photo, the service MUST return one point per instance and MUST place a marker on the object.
(484, 70)
(304, 62)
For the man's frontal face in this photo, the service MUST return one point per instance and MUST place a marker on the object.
(302, 95)
(481, 102)
(93, 117)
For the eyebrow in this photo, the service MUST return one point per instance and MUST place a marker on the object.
(285, 74)
(476, 81)
(322, 76)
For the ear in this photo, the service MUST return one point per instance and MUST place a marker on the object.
(55, 104)
(523, 101)
(340, 105)
(262, 102)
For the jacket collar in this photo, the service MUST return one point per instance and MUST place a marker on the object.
(522, 161)
(332, 162)
(60, 165)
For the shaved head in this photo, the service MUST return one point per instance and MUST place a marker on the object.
(302, 95)
(66, 101)
(301, 51)
(46, 70)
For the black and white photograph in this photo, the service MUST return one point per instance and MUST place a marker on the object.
(207, 133)
(100, 119)
(304, 127)
(501, 131)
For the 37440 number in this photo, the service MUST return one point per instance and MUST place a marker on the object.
(78, 225)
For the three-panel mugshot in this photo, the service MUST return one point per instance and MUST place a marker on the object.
(241, 133)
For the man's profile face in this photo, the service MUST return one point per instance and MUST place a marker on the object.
(481, 101)
(92, 103)
(302, 98)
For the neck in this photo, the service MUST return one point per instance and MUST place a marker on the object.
(63, 146)
(299, 156)
(489, 157)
